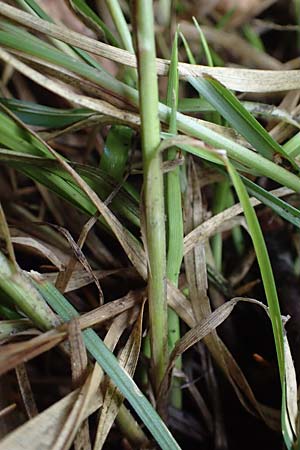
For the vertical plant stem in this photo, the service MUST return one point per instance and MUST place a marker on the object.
(120, 24)
(220, 201)
(130, 428)
(153, 186)
(174, 221)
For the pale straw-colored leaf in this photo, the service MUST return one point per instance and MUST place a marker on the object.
(113, 399)
(243, 80)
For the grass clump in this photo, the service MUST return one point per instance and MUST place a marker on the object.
(148, 203)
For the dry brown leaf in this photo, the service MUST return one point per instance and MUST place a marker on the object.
(73, 260)
(203, 329)
(113, 399)
(195, 269)
(12, 355)
(79, 364)
(235, 376)
(51, 253)
(80, 278)
(42, 430)
(79, 360)
(26, 391)
(129, 243)
(178, 301)
(77, 415)
(195, 262)
(291, 386)
(211, 226)
(5, 235)
(63, 277)
(111, 309)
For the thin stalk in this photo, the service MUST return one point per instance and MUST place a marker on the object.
(174, 221)
(153, 187)
(125, 36)
(120, 24)
(26, 6)
(130, 428)
(220, 202)
(237, 234)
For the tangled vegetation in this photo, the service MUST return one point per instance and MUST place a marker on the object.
(149, 223)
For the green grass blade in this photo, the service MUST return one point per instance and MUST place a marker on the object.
(18, 39)
(185, 124)
(239, 118)
(292, 146)
(56, 179)
(89, 16)
(236, 151)
(188, 50)
(220, 200)
(203, 40)
(174, 206)
(279, 206)
(32, 6)
(45, 116)
(110, 365)
(264, 265)
(120, 24)
(282, 208)
(257, 109)
(253, 38)
(271, 294)
(174, 218)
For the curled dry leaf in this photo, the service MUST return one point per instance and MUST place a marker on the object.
(201, 330)
(7, 410)
(205, 327)
(54, 255)
(63, 277)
